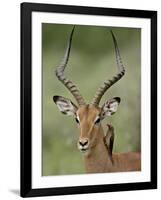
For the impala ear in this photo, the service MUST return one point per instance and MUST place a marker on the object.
(110, 107)
(65, 106)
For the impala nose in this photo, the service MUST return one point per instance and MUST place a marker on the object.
(83, 142)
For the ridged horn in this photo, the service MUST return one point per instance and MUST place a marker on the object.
(60, 73)
(109, 82)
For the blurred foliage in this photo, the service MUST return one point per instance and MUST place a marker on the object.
(92, 60)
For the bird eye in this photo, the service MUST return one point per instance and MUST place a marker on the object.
(97, 121)
(76, 119)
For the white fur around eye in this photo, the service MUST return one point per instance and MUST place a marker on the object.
(77, 119)
(97, 119)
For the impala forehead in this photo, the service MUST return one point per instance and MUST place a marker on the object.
(89, 112)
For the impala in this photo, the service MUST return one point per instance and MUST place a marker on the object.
(95, 145)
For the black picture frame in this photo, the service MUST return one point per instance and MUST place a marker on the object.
(26, 99)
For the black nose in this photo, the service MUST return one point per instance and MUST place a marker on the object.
(83, 142)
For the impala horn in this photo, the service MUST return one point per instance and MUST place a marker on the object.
(60, 73)
(108, 83)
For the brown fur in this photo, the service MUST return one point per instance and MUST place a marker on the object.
(98, 159)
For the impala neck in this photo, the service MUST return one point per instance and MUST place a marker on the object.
(98, 159)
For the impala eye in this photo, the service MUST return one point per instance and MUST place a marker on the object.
(76, 119)
(97, 121)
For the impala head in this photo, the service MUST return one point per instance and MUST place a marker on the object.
(88, 116)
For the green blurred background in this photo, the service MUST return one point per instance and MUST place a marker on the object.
(92, 60)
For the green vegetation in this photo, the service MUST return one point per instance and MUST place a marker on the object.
(92, 60)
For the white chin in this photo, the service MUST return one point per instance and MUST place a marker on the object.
(85, 152)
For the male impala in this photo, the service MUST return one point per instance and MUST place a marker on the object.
(95, 145)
